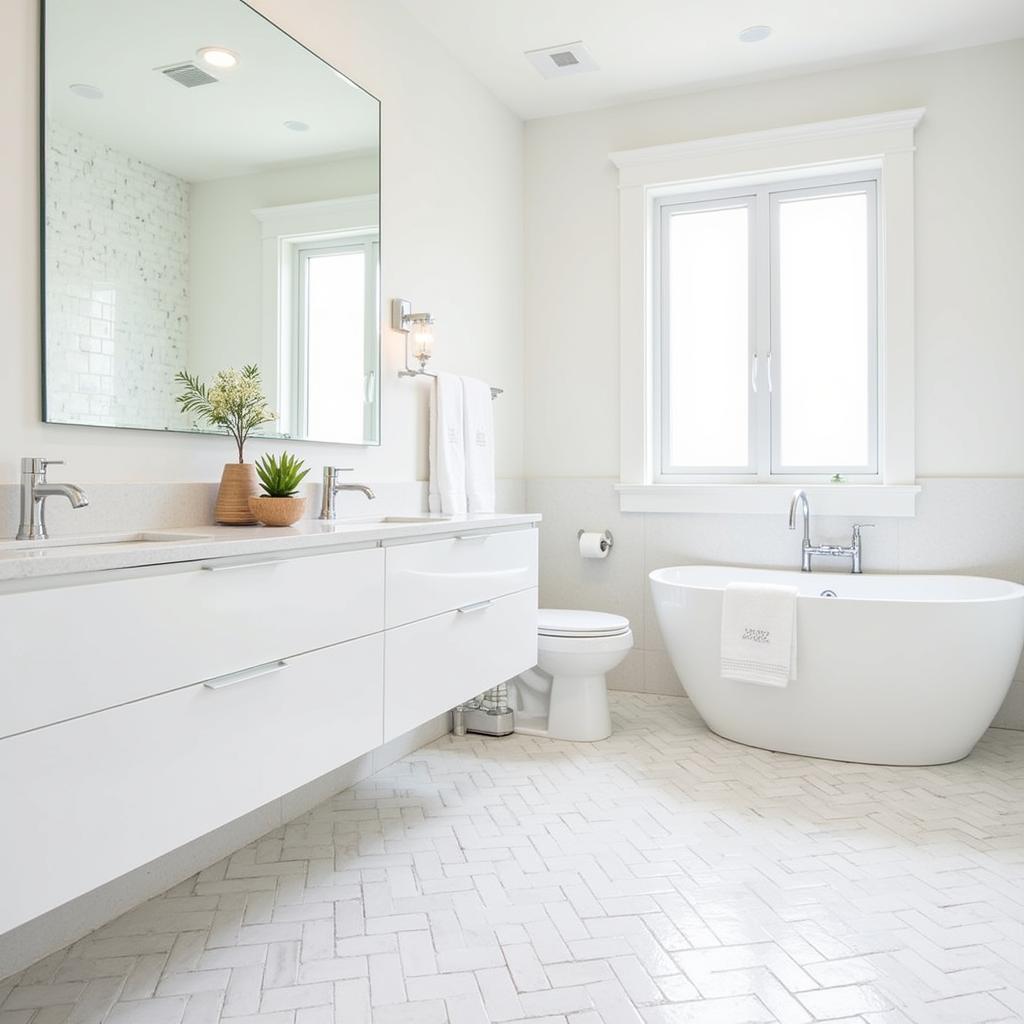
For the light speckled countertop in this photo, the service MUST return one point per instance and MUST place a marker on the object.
(59, 556)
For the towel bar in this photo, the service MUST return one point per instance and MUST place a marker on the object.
(426, 373)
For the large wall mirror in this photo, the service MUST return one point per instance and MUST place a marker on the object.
(211, 201)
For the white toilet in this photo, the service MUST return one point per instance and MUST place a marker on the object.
(566, 696)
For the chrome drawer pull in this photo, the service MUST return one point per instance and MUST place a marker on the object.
(242, 565)
(480, 574)
(473, 538)
(478, 607)
(232, 678)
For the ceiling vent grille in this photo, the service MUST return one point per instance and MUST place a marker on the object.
(189, 75)
(558, 61)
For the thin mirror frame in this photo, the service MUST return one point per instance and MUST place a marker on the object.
(375, 442)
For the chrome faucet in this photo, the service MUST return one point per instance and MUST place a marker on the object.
(35, 489)
(800, 498)
(807, 549)
(328, 508)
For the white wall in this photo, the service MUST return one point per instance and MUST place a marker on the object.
(452, 243)
(970, 251)
(970, 338)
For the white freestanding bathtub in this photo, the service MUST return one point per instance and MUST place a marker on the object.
(896, 670)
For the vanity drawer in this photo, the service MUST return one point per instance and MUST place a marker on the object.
(437, 576)
(434, 664)
(72, 650)
(87, 800)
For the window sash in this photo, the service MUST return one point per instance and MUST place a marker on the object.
(776, 198)
(765, 349)
(303, 253)
(663, 361)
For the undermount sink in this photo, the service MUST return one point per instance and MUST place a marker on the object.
(16, 548)
(384, 520)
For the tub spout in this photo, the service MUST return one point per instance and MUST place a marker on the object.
(799, 499)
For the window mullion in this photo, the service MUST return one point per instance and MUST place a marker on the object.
(761, 264)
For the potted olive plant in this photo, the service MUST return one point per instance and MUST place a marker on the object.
(280, 478)
(234, 402)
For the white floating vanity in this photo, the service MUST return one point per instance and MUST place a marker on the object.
(157, 686)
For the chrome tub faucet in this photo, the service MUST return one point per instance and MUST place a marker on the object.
(35, 489)
(807, 549)
(328, 505)
(800, 499)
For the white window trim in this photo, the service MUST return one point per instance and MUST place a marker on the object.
(884, 142)
(280, 226)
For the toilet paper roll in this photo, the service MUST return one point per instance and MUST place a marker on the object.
(594, 545)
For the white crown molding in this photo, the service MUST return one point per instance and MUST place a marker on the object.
(846, 127)
(345, 214)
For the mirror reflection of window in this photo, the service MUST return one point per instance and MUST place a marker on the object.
(338, 323)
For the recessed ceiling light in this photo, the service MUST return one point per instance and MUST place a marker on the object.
(297, 126)
(217, 56)
(755, 33)
(86, 92)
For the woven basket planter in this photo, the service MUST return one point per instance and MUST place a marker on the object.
(278, 511)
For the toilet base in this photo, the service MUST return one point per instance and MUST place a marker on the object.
(577, 711)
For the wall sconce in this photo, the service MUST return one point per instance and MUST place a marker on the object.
(418, 329)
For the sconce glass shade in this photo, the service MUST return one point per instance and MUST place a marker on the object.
(421, 340)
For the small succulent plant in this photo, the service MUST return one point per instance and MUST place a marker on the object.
(280, 477)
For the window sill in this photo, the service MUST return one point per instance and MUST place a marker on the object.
(769, 499)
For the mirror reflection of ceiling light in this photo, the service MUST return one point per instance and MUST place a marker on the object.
(297, 126)
(85, 91)
(755, 33)
(217, 57)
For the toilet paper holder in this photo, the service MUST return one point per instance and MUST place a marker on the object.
(607, 541)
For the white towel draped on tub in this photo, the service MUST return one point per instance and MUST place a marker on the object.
(479, 434)
(447, 490)
(759, 633)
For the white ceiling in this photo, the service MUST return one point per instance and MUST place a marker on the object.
(657, 47)
(232, 127)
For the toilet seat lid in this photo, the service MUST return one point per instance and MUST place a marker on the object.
(571, 622)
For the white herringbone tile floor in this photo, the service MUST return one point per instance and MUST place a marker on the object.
(660, 877)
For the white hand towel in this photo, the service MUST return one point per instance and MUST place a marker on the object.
(759, 633)
(479, 434)
(447, 490)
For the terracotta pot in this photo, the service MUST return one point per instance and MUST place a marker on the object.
(238, 484)
(277, 511)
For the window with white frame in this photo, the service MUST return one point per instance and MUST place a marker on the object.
(765, 331)
(320, 317)
(335, 334)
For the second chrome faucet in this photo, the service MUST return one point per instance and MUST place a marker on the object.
(807, 549)
(328, 505)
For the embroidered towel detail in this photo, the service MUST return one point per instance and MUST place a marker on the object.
(447, 489)
(759, 633)
(479, 435)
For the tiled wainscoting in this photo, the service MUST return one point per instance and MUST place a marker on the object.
(962, 526)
